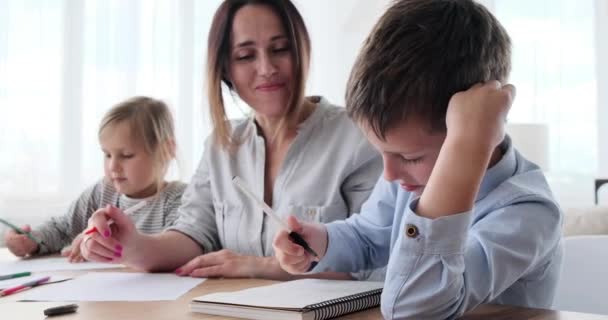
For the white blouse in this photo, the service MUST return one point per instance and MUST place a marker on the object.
(327, 174)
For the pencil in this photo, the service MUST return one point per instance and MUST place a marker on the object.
(294, 236)
(128, 211)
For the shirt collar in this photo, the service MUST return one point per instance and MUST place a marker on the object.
(501, 171)
(304, 126)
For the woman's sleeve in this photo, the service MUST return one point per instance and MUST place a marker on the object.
(196, 216)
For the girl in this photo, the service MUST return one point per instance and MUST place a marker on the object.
(138, 142)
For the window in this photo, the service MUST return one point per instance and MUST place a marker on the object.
(554, 71)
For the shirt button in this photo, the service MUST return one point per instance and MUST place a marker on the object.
(310, 213)
(411, 231)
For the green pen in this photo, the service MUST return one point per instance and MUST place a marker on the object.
(15, 275)
(19, 230)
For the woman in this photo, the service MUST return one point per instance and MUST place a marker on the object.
(302, 155)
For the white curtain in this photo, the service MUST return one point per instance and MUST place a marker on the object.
(554, 69)
(63, 63)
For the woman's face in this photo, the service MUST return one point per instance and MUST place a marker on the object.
(261, 64)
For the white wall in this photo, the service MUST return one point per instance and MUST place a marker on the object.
(337, 30)
(601, 22)
(339, 27)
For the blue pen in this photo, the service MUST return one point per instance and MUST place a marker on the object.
(20, 231)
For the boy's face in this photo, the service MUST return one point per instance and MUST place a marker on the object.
(409, 152)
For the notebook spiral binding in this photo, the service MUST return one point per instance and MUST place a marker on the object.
(337, 307)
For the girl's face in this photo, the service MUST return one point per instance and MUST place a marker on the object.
(129, 168)
(261, 66)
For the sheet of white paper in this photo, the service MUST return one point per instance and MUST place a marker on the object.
(50, 264)
(116, 286)
(9, 283)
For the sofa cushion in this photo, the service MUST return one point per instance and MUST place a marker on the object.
(587, 220)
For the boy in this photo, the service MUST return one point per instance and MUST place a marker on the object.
(460, 218)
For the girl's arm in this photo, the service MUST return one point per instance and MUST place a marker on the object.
(59, 232)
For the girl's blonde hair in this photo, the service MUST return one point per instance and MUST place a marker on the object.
(151, 124)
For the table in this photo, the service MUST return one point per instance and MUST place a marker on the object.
(179, 309)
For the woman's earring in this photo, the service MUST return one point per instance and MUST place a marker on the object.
(227, 82)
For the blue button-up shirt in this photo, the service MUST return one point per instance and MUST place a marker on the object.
(507, 250)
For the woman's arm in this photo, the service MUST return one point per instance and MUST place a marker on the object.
(120, 242)
(161, 252)
(228, 264)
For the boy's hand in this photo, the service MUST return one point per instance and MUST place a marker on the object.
(110, 240)
(292, 257)
(475, 122)
(19, 244)
(478, 114)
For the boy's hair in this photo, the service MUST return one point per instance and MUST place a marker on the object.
(419, 54)
(218, 59)
(151, 124)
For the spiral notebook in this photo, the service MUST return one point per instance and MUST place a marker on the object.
(299, 299)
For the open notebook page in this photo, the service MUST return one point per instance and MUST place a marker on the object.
(295, 294)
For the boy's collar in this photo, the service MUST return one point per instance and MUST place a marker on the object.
(500, 171)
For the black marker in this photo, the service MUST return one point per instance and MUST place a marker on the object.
(294, 236)
(55, 311)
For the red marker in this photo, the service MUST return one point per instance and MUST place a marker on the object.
(30, 284)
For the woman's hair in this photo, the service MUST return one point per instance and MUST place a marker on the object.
(151, 125)
(218, 59)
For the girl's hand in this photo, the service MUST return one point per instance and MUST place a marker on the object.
(19, 244)
(73, 251)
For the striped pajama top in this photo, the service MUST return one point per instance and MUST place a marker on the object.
(159, 213)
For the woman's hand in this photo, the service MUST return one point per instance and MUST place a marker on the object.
(224, 263)
(19, 244)
(114, 236)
